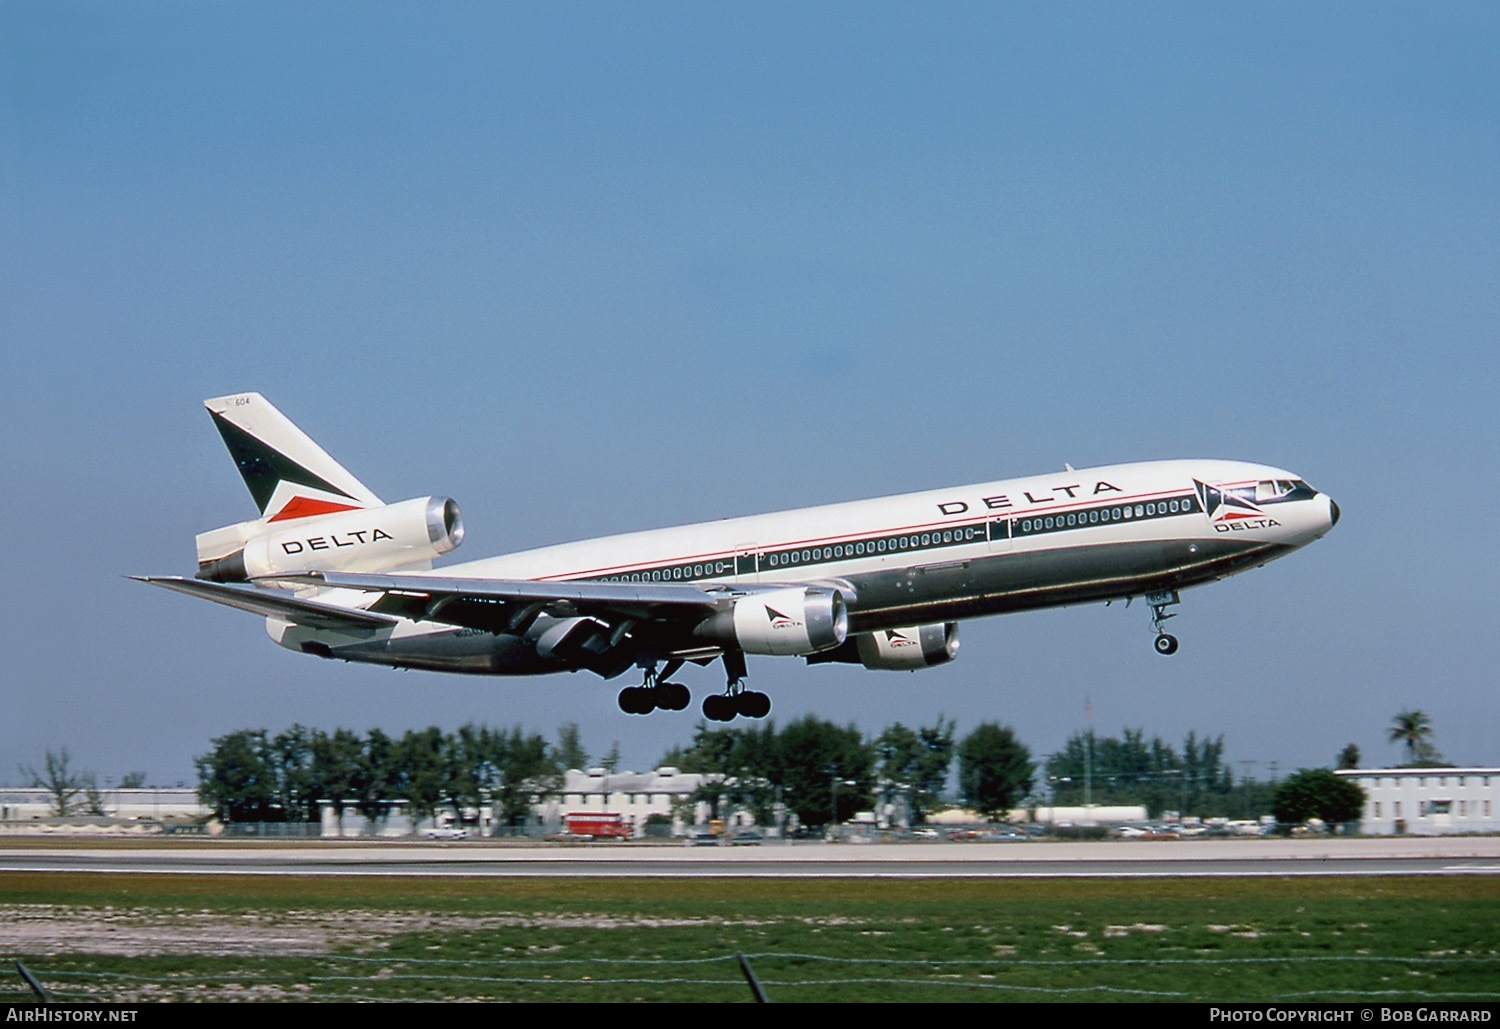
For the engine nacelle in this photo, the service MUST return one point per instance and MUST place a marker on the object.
(375, 539)
(898, 650)
(796, 620)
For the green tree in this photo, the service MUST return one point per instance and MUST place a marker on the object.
(57, 778)
(291, 756)
(93, 800)
(374, 785)
(570, 752)
(528, 769)
(994, 769)
(1349, 757)
(422, 770)
(1129, 770)
(611, 762)
(1317, 793)
(335, 767)
(744, 767)
(1414, 730)
(237, 778)
(827, 773)
(918, 760)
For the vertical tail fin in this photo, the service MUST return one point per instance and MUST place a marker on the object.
(288, 474)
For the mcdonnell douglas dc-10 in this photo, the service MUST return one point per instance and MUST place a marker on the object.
(338, 573)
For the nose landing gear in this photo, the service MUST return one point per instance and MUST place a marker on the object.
(1165, 643)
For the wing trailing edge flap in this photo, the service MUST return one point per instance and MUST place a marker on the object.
(274, 604)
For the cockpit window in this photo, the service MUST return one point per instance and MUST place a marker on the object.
(1271, 489)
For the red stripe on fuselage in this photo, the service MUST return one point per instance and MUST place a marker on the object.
(762, 549)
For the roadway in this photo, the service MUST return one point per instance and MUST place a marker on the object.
(1467, 855)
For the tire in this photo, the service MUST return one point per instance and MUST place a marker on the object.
(1166, 644)
(753, 704)
(636, 700)
(672, 696)
(718, 708)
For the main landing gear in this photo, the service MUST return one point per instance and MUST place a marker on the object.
(656, 692)
(1165, 643)
(735, 700)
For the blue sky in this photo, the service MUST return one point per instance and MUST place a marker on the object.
(591, 268)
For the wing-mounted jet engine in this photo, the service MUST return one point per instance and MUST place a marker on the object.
(794, 621)
(896, 650)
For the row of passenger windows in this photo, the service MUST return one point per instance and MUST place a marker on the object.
(678, 573)
(1102, 515)
(809, 555)
(881, 545)
(912, 541)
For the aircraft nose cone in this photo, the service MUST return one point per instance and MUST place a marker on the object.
(1333, 512)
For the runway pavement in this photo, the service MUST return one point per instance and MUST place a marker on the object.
(1315, 856)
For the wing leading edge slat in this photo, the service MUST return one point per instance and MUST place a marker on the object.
(434, 595)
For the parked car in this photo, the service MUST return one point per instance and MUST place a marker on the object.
(447, 832)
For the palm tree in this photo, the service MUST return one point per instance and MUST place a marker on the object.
(1414, 729)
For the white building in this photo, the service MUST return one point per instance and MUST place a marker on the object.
(1428, 801)
(29, 804)
(636, 796)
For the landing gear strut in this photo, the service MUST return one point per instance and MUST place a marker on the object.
(656, 692)
(735, 700)
(1165, 643)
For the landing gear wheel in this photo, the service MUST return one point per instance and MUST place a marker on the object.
(753, 704)
(1166, 643)
(636, 700)
(671, 696)
(719, 708)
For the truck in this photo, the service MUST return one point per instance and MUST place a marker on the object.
(606, 825)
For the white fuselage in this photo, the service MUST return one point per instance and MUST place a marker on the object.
(849, 540)
(946, 554)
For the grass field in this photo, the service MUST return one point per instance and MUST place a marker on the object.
(132, 938)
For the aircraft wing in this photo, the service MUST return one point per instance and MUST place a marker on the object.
(504, 605)
(274, 603)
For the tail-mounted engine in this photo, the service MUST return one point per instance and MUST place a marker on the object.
(897, 650)
(797, 620)
(377, 539)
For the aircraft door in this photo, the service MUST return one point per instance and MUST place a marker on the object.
(1000, 535)
(747, 562)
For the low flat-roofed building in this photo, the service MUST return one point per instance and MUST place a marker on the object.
(1428, 801)
(19, 804)
(634, 795)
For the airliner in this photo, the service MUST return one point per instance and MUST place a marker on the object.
(883, 583)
